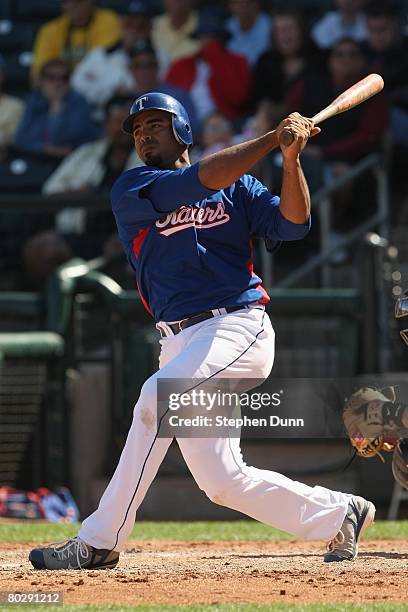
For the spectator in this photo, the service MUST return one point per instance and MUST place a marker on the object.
(292, 54)
(105, 71)
(250, 29)
(41, 255)
(145, 70)
(82, 26)
(217, 134)
(11, 109)
(266, 118)
(387, 52)
(346, 22)
(56, 119)
(355, 133)
(93, 168)
(351, 135)
(217, 79)
(172, 31)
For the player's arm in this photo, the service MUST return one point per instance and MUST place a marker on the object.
(163, 191)
(223, 168)
(147, 194)
(295, 197)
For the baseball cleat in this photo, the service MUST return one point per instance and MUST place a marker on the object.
(344, 546)
(73, 554)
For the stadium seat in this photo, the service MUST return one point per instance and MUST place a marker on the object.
(5, 9)
(15, 36)
(17, 70)
(24, 175)
(119, 6)
(39, 10)
(312, 9)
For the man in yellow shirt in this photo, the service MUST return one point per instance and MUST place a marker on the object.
(81, 27)
(172, 30)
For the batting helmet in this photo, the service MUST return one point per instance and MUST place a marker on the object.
(180, 120)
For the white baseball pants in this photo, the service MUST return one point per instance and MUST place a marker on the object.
(236, 345)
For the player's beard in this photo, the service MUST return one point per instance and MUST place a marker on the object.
(153, 159)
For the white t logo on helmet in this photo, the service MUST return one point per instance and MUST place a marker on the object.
(140, 102)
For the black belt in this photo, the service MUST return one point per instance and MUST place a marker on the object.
(178, 326)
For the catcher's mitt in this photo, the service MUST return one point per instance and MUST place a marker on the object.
(369, 416)
(400, 462)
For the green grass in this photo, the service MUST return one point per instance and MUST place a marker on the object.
(369, 607)
(30, 531)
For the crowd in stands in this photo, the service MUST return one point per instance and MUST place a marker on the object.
(238, 66)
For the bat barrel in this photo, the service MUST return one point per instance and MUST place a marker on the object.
(354, 95)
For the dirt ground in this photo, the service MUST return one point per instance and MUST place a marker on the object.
(161, 572)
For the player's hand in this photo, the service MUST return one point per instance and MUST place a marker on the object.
(302, 129)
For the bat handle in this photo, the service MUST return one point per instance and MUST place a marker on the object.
(286, 137)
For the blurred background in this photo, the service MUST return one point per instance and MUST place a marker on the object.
(75, 341)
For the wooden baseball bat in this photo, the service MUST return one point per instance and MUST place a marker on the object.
(354, 95)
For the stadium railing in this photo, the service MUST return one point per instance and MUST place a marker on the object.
(33, 409)
(322, 202)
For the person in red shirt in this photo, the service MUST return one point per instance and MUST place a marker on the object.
(216, 78)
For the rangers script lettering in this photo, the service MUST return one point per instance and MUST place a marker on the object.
(186, 216)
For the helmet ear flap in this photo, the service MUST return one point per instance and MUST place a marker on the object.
(182, 130)
(175, 132)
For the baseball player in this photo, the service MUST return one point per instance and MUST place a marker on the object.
(186, 230)
(375, 421)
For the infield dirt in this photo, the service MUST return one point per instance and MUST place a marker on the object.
(160, 572)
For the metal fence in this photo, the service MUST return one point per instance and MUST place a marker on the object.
(33, 417)
(322, 202)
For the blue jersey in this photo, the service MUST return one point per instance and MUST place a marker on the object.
(190, 246)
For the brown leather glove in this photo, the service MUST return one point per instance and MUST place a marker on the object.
(372, 419)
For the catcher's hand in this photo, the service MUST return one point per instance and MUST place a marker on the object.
(372, 419)
(400, 462)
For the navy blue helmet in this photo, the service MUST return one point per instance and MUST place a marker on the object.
(180, 120)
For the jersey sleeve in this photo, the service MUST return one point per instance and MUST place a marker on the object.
(264, 215)
(144, 194)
